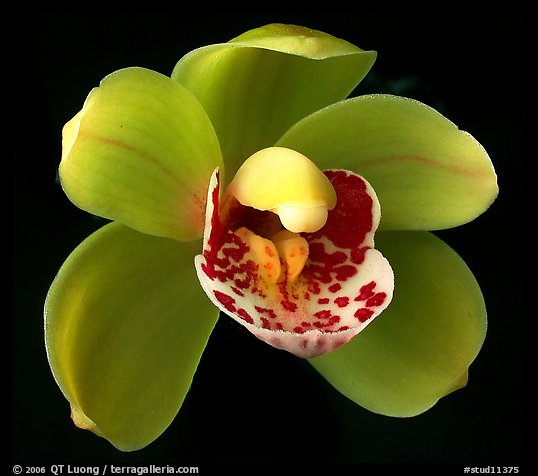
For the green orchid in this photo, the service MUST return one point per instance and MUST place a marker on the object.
(247, 183)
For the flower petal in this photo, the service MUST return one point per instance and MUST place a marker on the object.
(422, 347)
(344, 284)
(259, 84)
(427, 173)
(141, 151)
(125, 329)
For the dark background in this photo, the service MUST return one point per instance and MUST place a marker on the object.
(468, 65)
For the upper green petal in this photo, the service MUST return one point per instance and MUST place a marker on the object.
(125, 326)
(260, 83)
(296, 40)
(141, 151)
(420, 348)
(427, 173)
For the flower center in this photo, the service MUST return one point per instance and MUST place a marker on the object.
(293, 253)
(307, 292)
(278, 182)
(287, 183)
(300, 219)
(279, 259)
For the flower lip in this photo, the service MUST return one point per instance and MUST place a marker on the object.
(287, 183)
(316, 302)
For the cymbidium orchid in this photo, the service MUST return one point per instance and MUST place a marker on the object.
(247, 183)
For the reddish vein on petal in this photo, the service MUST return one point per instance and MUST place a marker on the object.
(343, 285)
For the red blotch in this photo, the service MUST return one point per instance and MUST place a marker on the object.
(288, 305)
(334, 320)
(285, 302)
(245, 316)
(335, 288)
(322, 264)
(366, 291)
(363, 314)
(237, 291)
(314, 287)
(358, 254)
(317, 253)
(265, 323)
(236, 253)
(264, 310)
(325, 267)
(342, 301)
(248, 269)
(376, 300)
(330, 322)
(325, 314)
(209, 272)
(351, 220)
(223, 262)
(323, 301)
(343, 273)
(227, 301)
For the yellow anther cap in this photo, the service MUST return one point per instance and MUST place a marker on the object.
(287, 183)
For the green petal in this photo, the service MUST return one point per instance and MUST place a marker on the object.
(296, 40)
(427, 173)
(420, 348)
(141, 151)
(259, 84)
(126, 323)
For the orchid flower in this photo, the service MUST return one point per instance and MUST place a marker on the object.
(247, 183)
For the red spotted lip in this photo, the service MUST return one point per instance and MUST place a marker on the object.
(344, 284)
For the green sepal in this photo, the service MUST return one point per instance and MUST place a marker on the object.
(260, 83)
(141, 151)
(420, 348)
(125, 329)
(427, 173)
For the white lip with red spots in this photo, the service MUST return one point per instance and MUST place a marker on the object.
(343, 286)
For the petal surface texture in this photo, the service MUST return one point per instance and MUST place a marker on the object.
(421, 348)
(141, 151)
(125, 330)
(344, 283)
(259, 84)
(427, 173)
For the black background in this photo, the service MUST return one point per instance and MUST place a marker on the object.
(469, 65)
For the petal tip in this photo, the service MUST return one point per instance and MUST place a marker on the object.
(83, 422)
